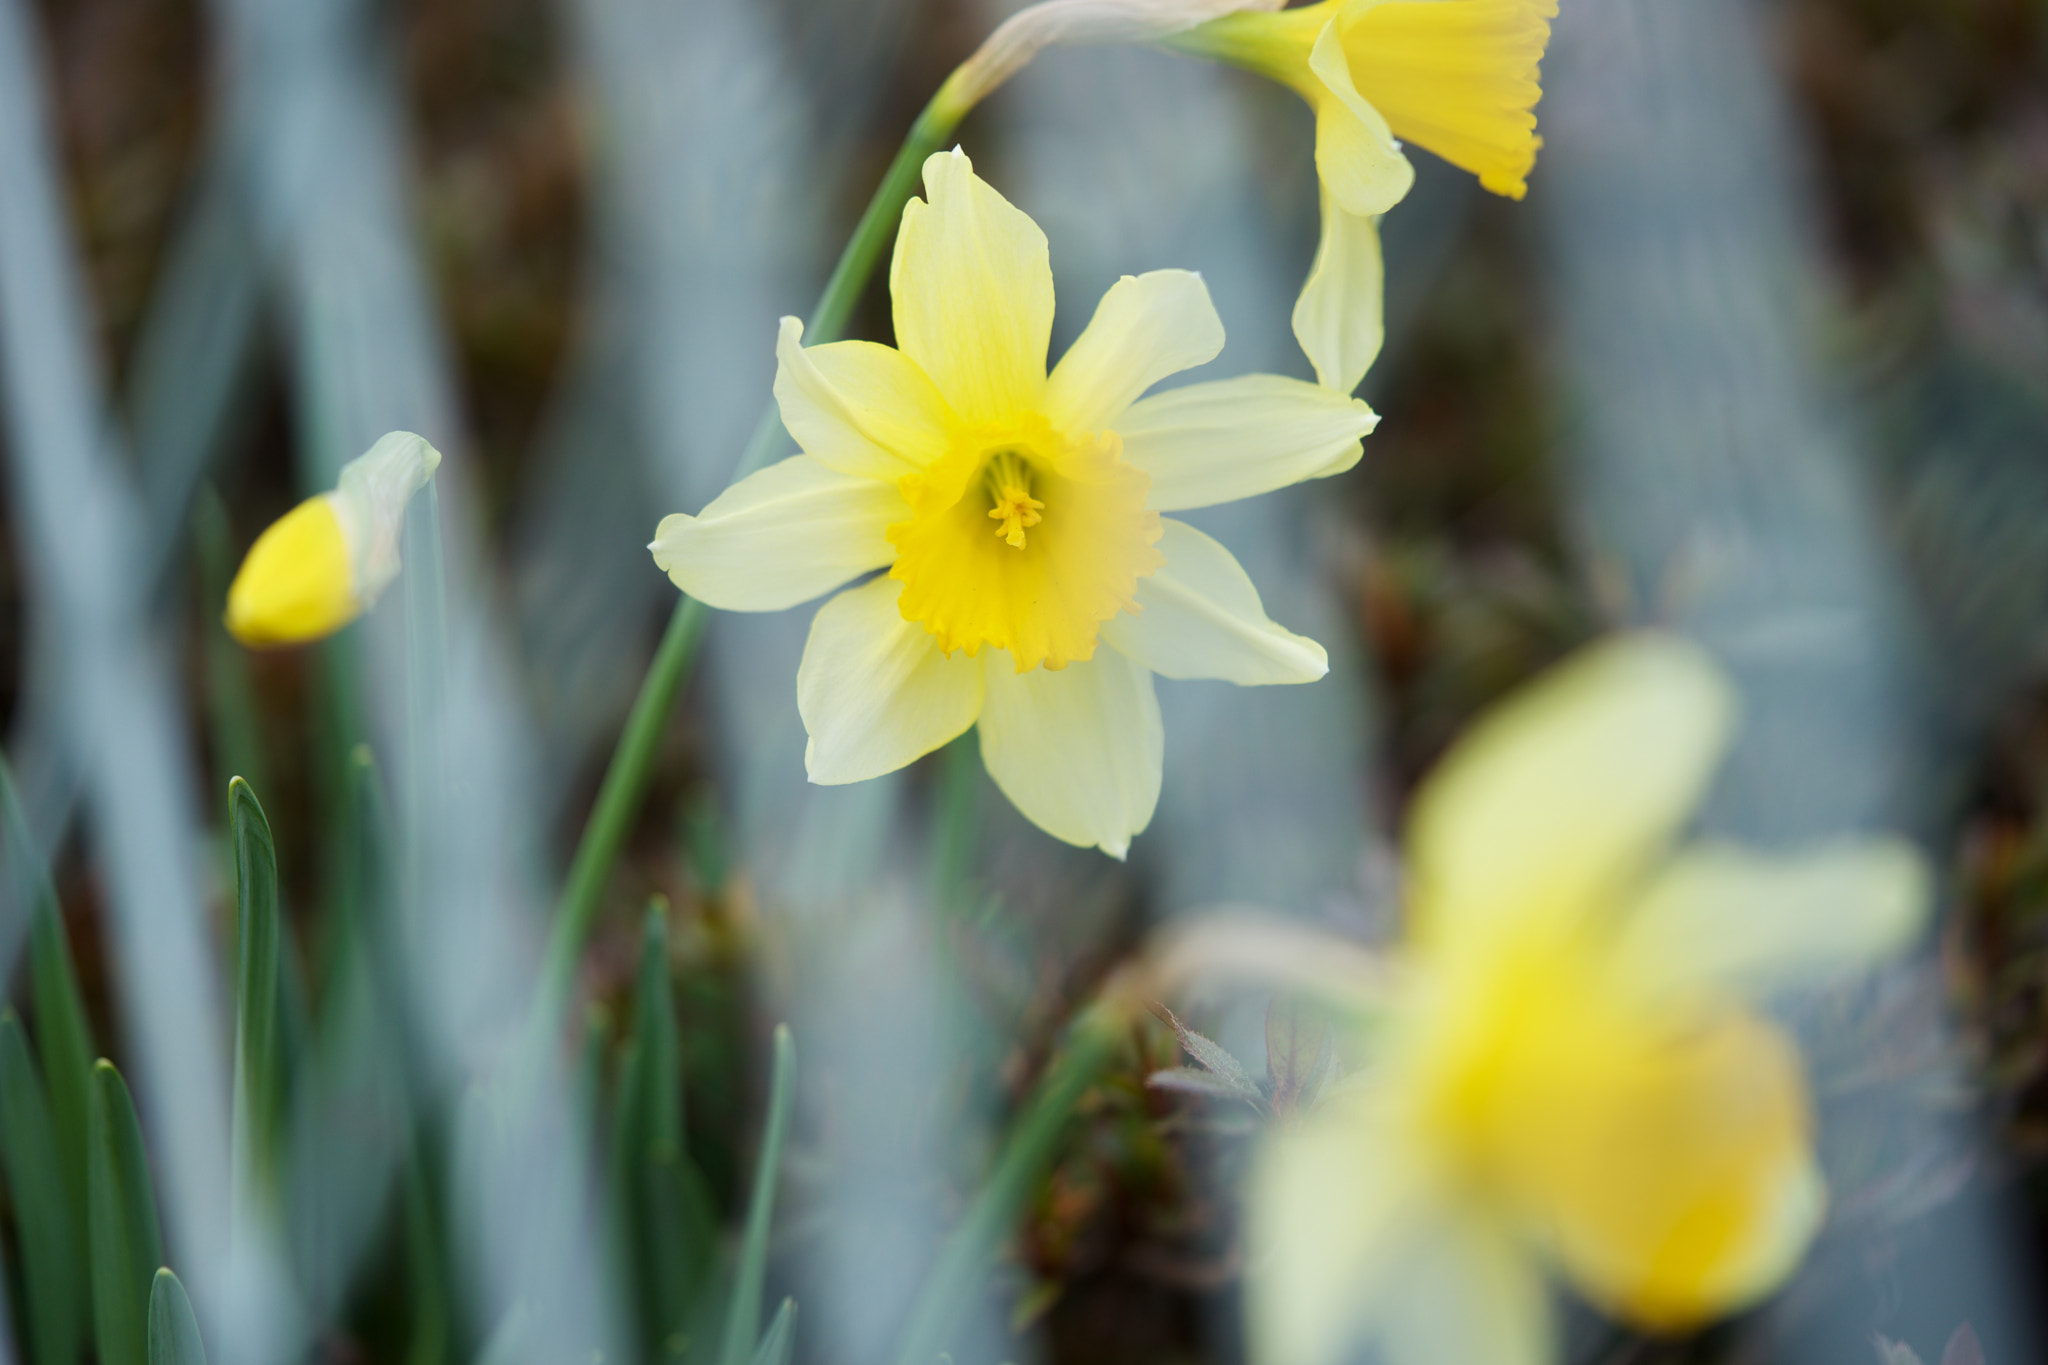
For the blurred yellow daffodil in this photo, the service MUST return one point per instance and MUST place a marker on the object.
(1562, 1067)
(1017, 514)
(325, 562)
(1457, 77)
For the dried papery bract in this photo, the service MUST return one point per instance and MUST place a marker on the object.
(1073, 23)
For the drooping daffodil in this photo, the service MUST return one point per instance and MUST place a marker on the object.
(1562, 1067)
(1457, 77)
(326, 562)
(1032, 587)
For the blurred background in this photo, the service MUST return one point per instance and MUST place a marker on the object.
(1763, 356)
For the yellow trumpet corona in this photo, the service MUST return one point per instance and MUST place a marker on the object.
(325, 562)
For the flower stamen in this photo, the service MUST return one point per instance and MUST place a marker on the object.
(1014, 508)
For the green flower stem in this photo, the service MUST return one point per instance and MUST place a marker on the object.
(625, 778)
(625, 782)
(1091, 1041)
(1272, 43)
(877, 226)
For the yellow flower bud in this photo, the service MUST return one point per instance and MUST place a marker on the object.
(325, 562)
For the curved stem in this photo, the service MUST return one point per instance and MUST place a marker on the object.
(625, 778)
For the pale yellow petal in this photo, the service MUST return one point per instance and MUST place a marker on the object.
(1340, 318)
(1209, 443)
(1552, 803)
(857, 407)
(973, 292)
(874, 691)
(1357, 159)
(780, 536)
(1760, 920)
(1330, 1205)
(1077, 750)
(1463, 1287)
(1146, 328)
(1200, 617)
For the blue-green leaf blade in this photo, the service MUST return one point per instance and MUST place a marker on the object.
(780, 1338)
(662, 1212)
(53, 1264)
(63, 1034)
(126, 1243)
(256, 986)
(743, 1310)
(173, 1330)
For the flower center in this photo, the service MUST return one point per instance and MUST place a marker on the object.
(1070, 540)
(1008, 480)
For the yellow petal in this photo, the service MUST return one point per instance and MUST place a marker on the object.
(857, 407)
(1458, 77)
(297, 582)
(1671, 1166)
(780, 536)
(1555, 801)
(1146, 327)
(973, 293)
(1340, 317)
(1728, 916)
(1078, 751)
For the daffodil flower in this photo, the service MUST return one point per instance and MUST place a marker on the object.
(1032, 587)
(1562, 1067)
(1457, 77)
(325, 562)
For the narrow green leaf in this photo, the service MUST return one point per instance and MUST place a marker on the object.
(425, 1273)
(780, 1337)
(126, 1245)
(654, 1025)
(255, 988)
(53, 1264)
(743, 1312)
(664, 1216)
(173, 1331)
(369, 870)
(63, 1034)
